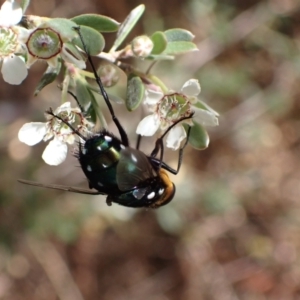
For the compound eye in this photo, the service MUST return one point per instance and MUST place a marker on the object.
(167, 195)
(170, 195)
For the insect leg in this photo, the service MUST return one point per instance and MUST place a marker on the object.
(159, 143)
(61, 187)
(78, 103)
(163, 165)
(122, 131)
(138, 141)
(51, 113)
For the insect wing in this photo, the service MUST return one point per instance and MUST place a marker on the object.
(133, 168)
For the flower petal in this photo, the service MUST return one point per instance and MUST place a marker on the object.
(14, 70)
(53, 62)
(23, 34)
(152, 97)
(175, 136)
(191, 88)
(32, 133)
(66, 106)
(205, 117)
(55, 153)
(10, 13)
(148, 126)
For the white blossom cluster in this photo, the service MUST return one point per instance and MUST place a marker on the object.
(22, 46)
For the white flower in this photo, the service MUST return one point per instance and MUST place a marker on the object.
(10, 13)
(13, 68)
(170, 107)
(56, 151)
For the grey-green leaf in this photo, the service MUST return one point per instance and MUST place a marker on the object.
(93, 40)
(127, 26)
(135, 92)
(159, 40)
(64, 27)
(175, 48)
(83, 95)
(48, 77)
(178, 34)
(91, 112)
(199, 138)
(98, 22)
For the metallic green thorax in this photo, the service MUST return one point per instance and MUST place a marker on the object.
(99, 157)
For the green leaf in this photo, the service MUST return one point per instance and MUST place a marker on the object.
(179, 35)
(91, 112)
(98, 22)
(48, 77)
(93, 40)
(127, 26)
(94, 111)
(82, 93)
(174, 48)
(135, 92)
(64, 27)
(159, 40)
(24, 5)
(199, 138)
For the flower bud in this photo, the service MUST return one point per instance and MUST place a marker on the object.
(109, 75)
(142, 46)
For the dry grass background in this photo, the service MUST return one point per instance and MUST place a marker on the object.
(233, 230)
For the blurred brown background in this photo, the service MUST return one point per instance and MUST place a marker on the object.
(233, 229)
